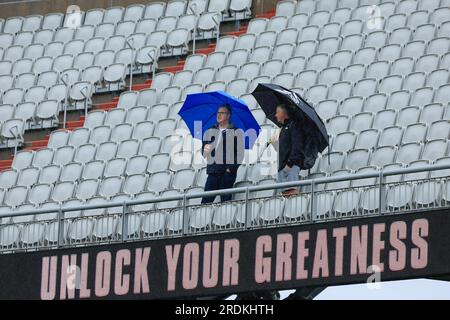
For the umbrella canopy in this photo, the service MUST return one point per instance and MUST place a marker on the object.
(269, 96)
(202, 108)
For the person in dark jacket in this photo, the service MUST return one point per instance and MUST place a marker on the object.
(289, 147)
(223, 148)
(290, 159)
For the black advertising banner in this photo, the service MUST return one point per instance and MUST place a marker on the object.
(341, 252)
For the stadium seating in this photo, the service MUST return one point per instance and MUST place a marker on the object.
(382, 88)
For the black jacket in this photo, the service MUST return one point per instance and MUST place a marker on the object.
(290, 145)
(227, 160)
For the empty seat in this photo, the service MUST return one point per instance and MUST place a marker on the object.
(22, 159)
(8, 178)
(439, 46)
(391, 136)
(440, 15)
(121, 132)
(62, 191)
(431, 113)
(344, 141)
(414, 49)
(63, 155)
(382, 156)
(408, 116)
(390, 84)
(70, 172)
(434, 149)
(42, 157)
(408, 153)
(438, 130)
(143, 130)
(398, 100)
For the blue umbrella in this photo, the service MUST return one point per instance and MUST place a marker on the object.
(203, 107)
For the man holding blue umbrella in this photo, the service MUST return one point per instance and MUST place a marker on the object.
(223, 147)
(226, 127)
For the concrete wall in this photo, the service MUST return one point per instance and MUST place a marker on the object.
(27, 7)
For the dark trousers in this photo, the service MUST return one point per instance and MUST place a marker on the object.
(219, 181)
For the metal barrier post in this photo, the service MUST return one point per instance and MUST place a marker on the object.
(248, 209)
(217, 21)
(124, 222)
(130, 44)
(312, 206)
(60, 227)
(65, 98)
(85, 100)
(185, 218)
(382, 194)
(193, 9)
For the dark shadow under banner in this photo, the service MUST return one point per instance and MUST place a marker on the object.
(342, 252)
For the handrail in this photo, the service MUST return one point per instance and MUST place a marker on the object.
(248, 189)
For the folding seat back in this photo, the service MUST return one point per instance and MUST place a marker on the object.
(100, 134)
(23, 39)
(408, 115)
(143, 129)
(115, 167)
(170, 95)
(13, 24)
(432, 112)
(52, 21)
(408, 153)
(8, 178)
(62, 191)
(194, 62)
(22, 159)
(136, 114)
(344, 141)
(434, 150)
(440, 15)
(93, 170)
(438, 130)
(63, 155)
(188, 22)
(128, 148)
(121, 132)
(22, 66)
(86, 189)
(414, 133)
(226, 43)
(70, 172)
(125, 28)
(106, 151)
(154, 10)
(257, 25)
(147, 97)
(266, 38)
(285, 8)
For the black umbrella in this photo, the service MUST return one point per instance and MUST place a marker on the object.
(269, 96)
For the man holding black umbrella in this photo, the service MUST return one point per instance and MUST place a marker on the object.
(303, 135)
(289, 146)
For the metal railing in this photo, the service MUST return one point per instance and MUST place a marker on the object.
(320, 200)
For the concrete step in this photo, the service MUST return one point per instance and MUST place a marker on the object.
(5, 164)
(74, 124)
(39, 143)
(105, 106)
(207, 50)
